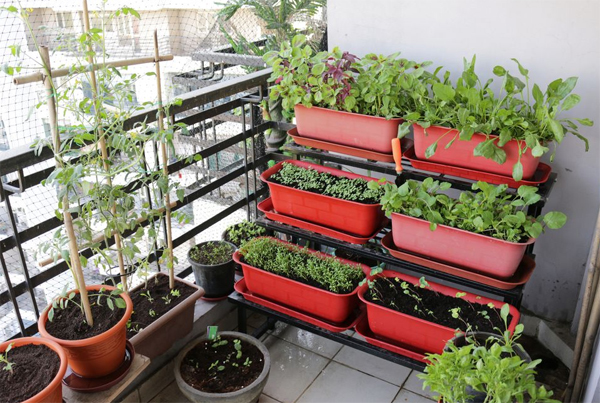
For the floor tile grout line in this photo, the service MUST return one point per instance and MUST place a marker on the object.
(269, 396)
(313, 381)
(366, 373)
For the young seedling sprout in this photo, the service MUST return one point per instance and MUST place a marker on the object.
(8, 366)
(63, 300)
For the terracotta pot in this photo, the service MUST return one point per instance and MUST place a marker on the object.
(480, 253)
(303, 297)
(350, 129)
(422, 335)
(250, 393)
(53, 392)
(98, 355)
(342, 215)
(460, 153)
(160, 335)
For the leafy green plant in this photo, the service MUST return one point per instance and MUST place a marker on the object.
(516, 112)
(375, 85)
(311, 180)
(212, 253)
(488, 210)
(112, 300)
(8, 366)
(278, 16)
(240, 233)
(299, 264)
(492, 368)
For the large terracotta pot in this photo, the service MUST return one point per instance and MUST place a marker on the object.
(98, 355)
(53, 392)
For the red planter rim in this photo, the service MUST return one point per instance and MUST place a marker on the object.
(435, 287)
(94, 339)
(350, 113)
(528, 242)
(275, 168)
(450, 129)
(237, 257)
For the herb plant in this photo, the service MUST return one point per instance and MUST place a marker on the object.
(518, 111)
(299, 264)
(212, 253)
(240, 233)
(488, 210)
(375, 85)
(311, 180)
(492, 368)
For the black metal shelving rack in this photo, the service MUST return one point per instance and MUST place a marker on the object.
(512, 296)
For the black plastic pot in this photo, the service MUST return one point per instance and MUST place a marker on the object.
(217, 280)
(238, 268)
(482, 337)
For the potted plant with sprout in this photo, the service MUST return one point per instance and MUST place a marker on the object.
(485, 367)
(227, 367)
(213, 267)
(22, 379)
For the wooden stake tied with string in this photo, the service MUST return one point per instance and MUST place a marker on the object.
(102, 144)
(165, 163)
(67, 218)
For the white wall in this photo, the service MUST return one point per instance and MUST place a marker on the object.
(552, 38)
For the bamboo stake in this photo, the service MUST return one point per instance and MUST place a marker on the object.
(94, 85)
(165, 162)
(68, 220)
(101, 237)
(590, 298)
(35, 77)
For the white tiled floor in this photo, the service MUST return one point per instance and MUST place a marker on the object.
(308, 368)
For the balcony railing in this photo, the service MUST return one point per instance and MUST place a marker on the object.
(222, 184)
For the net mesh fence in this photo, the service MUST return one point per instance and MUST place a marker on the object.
(196, 36)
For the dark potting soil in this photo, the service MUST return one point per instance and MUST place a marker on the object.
(34, 367)
(216, 369)
(435, 307)
(159, 292)
(70, 324)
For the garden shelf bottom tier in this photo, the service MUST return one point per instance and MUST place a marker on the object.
(419, 334)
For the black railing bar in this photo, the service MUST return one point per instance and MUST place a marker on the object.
(252, 126)
(15, 229)
(210, 113)
(61, 266)
(53, 222)
(204, 96)
(11, 292)
(24, 156)
(246, 160)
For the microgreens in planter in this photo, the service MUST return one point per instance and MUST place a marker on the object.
(531, 118)
(240, 233)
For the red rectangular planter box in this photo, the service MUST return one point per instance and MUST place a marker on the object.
(305, 298)
(477, 252)
(428, 337)
(343, 215)
(460, 152)
(349, 129)
(160, 335)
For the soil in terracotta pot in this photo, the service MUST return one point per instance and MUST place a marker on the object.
(33, 368)
(434, 307)
(69, 323)
(157, 301)
(214, 367)
(326, 184)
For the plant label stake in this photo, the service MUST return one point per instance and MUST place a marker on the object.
(67, 219)
(94, 85)
(165, 162)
